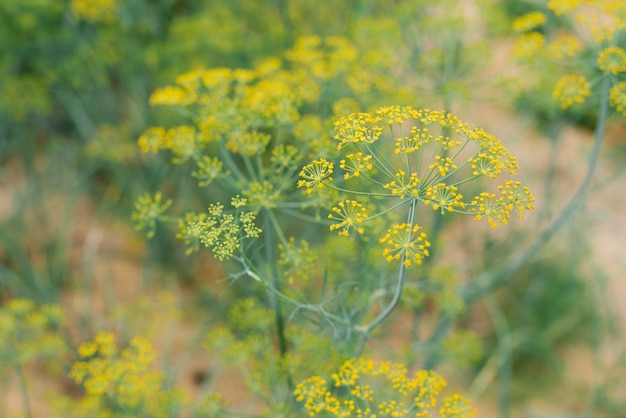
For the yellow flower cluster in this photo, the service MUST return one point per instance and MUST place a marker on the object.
(571, 89)
(94, 10)
(183, 141)
(430, 164)
(358, 128)
(209, 168)
(612, 60)
(120, 382)
(444, 197)
(497, 210)
(617, 97)
(403, 185)
(28, 331)
(261, 195)
(314, 175)
(349, 215)
(564, 45)
(602, 19)
(356, 163)
(561, 7)
(171, 96)
(366, 388)
(323, 59)
(529, 45)
(248, 143)
(231, 104)
(405, 242)
(148, 211)
(529, 21)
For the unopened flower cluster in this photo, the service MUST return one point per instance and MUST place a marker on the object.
(218, 230)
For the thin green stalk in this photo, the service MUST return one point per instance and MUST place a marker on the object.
(278, 315)
(504, 336)
(548, 182)
(77, 112)
(288, 32)
(367, 329)
(21, 379)
(380, 161)
(232, 165)
(250, 167)
(277, 228)
(316, 308)
(435, 231)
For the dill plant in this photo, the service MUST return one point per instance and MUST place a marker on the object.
(250, 138)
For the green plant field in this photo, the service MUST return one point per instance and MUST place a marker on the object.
(284, 208)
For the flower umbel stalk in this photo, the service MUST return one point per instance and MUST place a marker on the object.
(367, 329)
(278, 316)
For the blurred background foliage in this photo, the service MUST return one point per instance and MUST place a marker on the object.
(76, 76)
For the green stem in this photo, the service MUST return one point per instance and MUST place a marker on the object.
(550, 174)
(314, 308)
(278, 315)
(23, 388)
(367, 329)
(427, 268)
(251, 170)
(226, 157)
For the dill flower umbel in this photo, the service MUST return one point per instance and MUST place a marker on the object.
(149, 210)
(529, 45)
(571, 89)
(561, 7)
(315, 174)
(356, 163)
(564, 45)
(529, 22)
(617, 97)
(404, 241)
(218, 229)
(612, 60)
(171, 96)
(366, 388)
(28, 331)
(119, 381)
(349, 215)
(434, 157)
